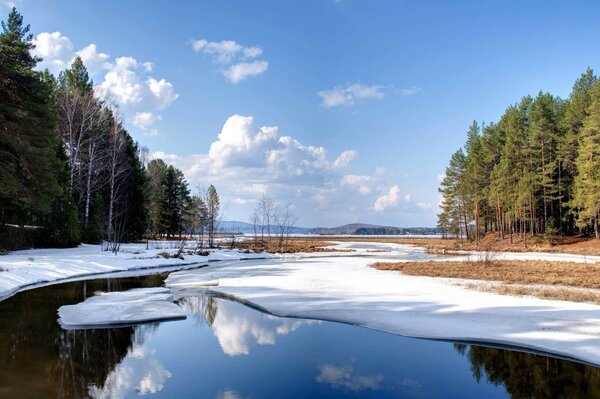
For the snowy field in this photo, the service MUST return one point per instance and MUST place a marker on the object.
(346, 289)
(33, 268)
(337, 286)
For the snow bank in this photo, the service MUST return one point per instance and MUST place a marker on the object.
(31, 268)
(121, 308)
(346, 289)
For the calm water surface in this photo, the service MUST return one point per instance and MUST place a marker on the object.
(227, 350)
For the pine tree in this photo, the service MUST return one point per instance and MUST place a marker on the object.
(587, 182)
(213, 206)
(29, 143)
(455, 197)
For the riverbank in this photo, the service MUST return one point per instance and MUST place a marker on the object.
(28, 269)
(565, 281)
(346, 289)
(491, 242)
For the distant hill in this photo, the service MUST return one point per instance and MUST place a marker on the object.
(233, 226)
(372, 229)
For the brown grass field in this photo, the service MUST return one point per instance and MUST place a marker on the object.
(556, 280)
(292, 245)
(491, 242)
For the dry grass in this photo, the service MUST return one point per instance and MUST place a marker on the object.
(558, 293)
(574, 245)
(293, 245)
(508, 272)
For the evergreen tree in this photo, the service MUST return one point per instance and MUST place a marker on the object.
(213, 206)
(455, 195)
(30, 164)
(587, 182)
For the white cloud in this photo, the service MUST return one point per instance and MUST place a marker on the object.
(139, 96)
(411, 91)
(347, 95)
(388, 200)
(363, 184)
(7, 3)
(144, 120)
(238, 72)
(238, 62)
(246, 161)
(93, 60)
(408, 197)
(126, 82)
(55, 49)
(425, 206)
(224, 51)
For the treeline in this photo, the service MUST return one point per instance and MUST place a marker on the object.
(69, 170)
(383, 230)
(535, 171)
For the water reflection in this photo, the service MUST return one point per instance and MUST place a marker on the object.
(39, 359)
(137, 371)
(346, 378)
(237, 328)
(226, 350)
(532, 376)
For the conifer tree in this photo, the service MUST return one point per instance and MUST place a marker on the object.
(587, 182)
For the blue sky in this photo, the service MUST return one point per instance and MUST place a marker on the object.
(369, 98)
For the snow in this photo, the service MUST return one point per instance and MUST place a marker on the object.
(337, 286)
(32, 268)
(346, 289)
(121, 308)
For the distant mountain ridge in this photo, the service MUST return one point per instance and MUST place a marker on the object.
(347, 229)
(373, 229)
(234, 226)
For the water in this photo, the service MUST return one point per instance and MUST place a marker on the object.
(227, 350)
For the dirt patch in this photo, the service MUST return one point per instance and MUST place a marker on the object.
(526, 272)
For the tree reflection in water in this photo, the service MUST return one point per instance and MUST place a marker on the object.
(40, 359)
(530, 376)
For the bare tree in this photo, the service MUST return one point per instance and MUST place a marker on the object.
(119, 169)
(255, 220)
(284, 221)
(266, 213)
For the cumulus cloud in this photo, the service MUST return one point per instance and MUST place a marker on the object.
(388, 200)
(246, 161)
(347, 95)
(144, 120)
(238, 72)
(55, 49)
(237, 62)
(363, 184)
(125, 81)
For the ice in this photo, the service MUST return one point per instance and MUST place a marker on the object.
(346, 289)
(26, 269)
(121, 308)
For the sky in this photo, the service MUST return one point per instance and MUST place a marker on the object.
(344, 110)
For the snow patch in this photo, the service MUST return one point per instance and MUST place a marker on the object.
(346, 289)
(121, 308)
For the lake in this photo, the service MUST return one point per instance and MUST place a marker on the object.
(227, 350)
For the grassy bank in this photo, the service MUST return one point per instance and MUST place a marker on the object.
(571, 245)
(557, 280)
